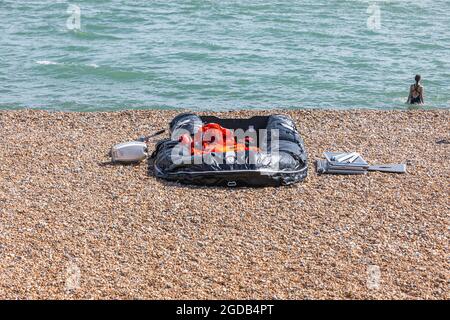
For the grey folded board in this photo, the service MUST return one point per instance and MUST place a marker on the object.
(358, 166)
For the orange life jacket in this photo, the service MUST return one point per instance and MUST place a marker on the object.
(215, 138)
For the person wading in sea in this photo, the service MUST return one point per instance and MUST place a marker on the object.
(416, 92)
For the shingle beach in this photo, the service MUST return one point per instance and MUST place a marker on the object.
(73, 226)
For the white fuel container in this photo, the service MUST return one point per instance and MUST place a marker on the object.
(129, 152)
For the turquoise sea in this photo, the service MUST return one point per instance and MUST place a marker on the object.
(222, 54)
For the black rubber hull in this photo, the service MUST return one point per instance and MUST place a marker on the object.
(284, 166)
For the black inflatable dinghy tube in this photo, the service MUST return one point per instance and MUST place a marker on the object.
(284, 166)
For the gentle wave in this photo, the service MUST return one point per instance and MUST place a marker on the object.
(47, 63)
(55, 63)
(76, 70)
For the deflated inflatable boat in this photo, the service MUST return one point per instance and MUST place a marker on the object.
(206, 150)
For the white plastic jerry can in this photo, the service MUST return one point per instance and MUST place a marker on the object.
(133, 151)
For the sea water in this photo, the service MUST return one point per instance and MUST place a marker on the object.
(88, 55)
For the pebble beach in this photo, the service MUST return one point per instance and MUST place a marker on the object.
(75, 226)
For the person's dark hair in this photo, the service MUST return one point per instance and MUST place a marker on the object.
(417, 78)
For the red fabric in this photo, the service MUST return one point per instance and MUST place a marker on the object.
(216, 138)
